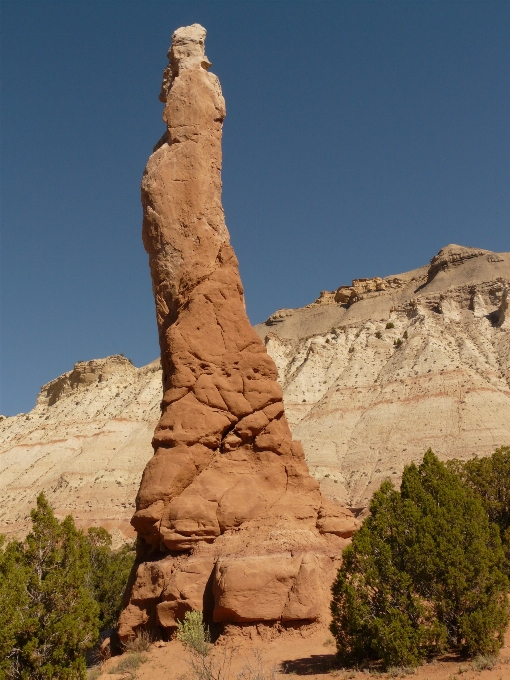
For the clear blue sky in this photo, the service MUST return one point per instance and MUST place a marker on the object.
(360, 138)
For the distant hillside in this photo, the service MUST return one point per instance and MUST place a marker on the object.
(362, 405)
(85, 444)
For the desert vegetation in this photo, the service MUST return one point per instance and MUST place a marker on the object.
(58, 588)
(489, 478)
(108, 574)
(195, 637)
(426, 572)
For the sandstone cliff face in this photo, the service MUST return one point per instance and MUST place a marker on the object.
(228, 518)
(365, 400)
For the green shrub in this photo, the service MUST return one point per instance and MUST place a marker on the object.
(14, 578)
(390, 324)
(48, 615)
(57, 589)
(109, 573)
(193, 634)
(425, 573)
(196, 639)
(490, 478)
(378, 335)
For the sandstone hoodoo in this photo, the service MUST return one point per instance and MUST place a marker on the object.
(228, 518)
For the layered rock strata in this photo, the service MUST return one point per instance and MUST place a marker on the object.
(417, 360)
(228, 518)
(84, 444)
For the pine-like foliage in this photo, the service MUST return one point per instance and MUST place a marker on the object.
(490, 478)
(14, 604)
(109, 573)
(48, 615)
(425, 573)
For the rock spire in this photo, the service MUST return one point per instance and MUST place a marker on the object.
(228, 518)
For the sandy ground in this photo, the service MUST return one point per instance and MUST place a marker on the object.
(309, 653)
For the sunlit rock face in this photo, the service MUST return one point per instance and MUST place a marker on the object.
(227, 498)
(373, 377)
(369, 410)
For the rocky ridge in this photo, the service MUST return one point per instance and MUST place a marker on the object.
(84, 444)
(375, 373)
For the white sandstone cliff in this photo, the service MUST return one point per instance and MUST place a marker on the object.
(84, 444)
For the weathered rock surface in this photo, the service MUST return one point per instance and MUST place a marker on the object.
(366, 399)
(227, 501)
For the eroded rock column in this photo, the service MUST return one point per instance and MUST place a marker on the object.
(228, 517)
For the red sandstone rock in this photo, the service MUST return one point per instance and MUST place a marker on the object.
(224, 456)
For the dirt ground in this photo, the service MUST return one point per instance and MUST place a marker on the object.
(309, 653)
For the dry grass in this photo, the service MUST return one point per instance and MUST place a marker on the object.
(140, 643)
(400, 671)
(94, 673)
(254, 669)
(484, 662)
(129, 663)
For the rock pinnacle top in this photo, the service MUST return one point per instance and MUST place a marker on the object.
(187, 51)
